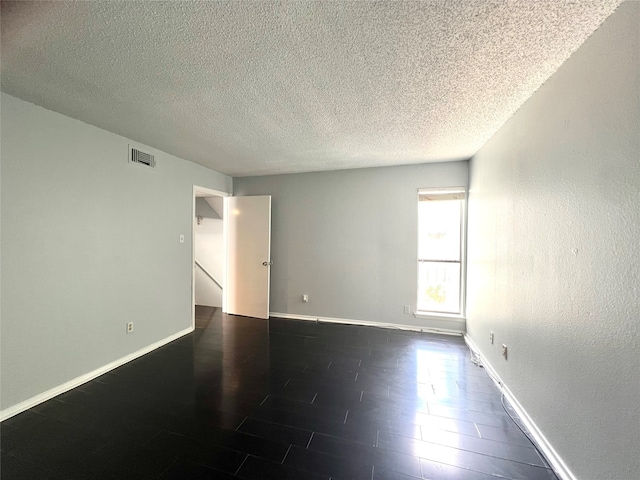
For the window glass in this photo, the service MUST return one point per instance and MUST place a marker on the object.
(440, 250)
(439, 234)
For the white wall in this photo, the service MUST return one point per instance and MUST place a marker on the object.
(89, 243)
(348, 239)
(209, 252)
(554, 256)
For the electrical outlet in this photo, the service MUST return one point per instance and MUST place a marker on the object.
(504, 351)
(305, 298)
(491, 337)
(129, 327)
(407, 309)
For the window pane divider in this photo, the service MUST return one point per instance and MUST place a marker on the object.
(438, 261)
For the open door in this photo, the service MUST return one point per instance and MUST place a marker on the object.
(248, 233)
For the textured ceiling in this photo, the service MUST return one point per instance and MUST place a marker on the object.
(252, 88)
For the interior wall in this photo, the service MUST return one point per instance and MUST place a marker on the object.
(209, 252)
(554, 256)
(348, 239)
(89, 243)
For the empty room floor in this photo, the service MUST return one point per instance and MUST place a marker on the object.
(278, 399)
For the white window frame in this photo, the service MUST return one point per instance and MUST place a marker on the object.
(463, 253)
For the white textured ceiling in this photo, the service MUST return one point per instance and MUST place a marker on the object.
(252, 88)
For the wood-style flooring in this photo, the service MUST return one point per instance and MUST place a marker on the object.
(279, 399)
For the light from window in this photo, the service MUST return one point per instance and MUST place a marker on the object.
(440, 250)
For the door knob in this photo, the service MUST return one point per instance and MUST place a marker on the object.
(266, 264)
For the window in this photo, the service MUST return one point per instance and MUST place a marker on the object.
(441, 250)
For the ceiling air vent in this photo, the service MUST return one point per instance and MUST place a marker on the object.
(141, 158)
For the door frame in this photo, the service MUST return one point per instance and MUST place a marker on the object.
(207, 192)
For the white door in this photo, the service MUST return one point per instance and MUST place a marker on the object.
(248, 230)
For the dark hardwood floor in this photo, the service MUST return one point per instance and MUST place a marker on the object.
(278, 399)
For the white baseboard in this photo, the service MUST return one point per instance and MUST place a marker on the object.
(349, 321)
(553, 457)
(76, 382)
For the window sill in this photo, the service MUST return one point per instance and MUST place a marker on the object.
(440, 316)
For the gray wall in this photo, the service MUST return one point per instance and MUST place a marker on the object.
(89, 243)
(348, 239)
(554, 257)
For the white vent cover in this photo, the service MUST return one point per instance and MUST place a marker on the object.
(139, 157)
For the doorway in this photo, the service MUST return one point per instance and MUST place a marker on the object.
(208, 250)
(239, 276)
